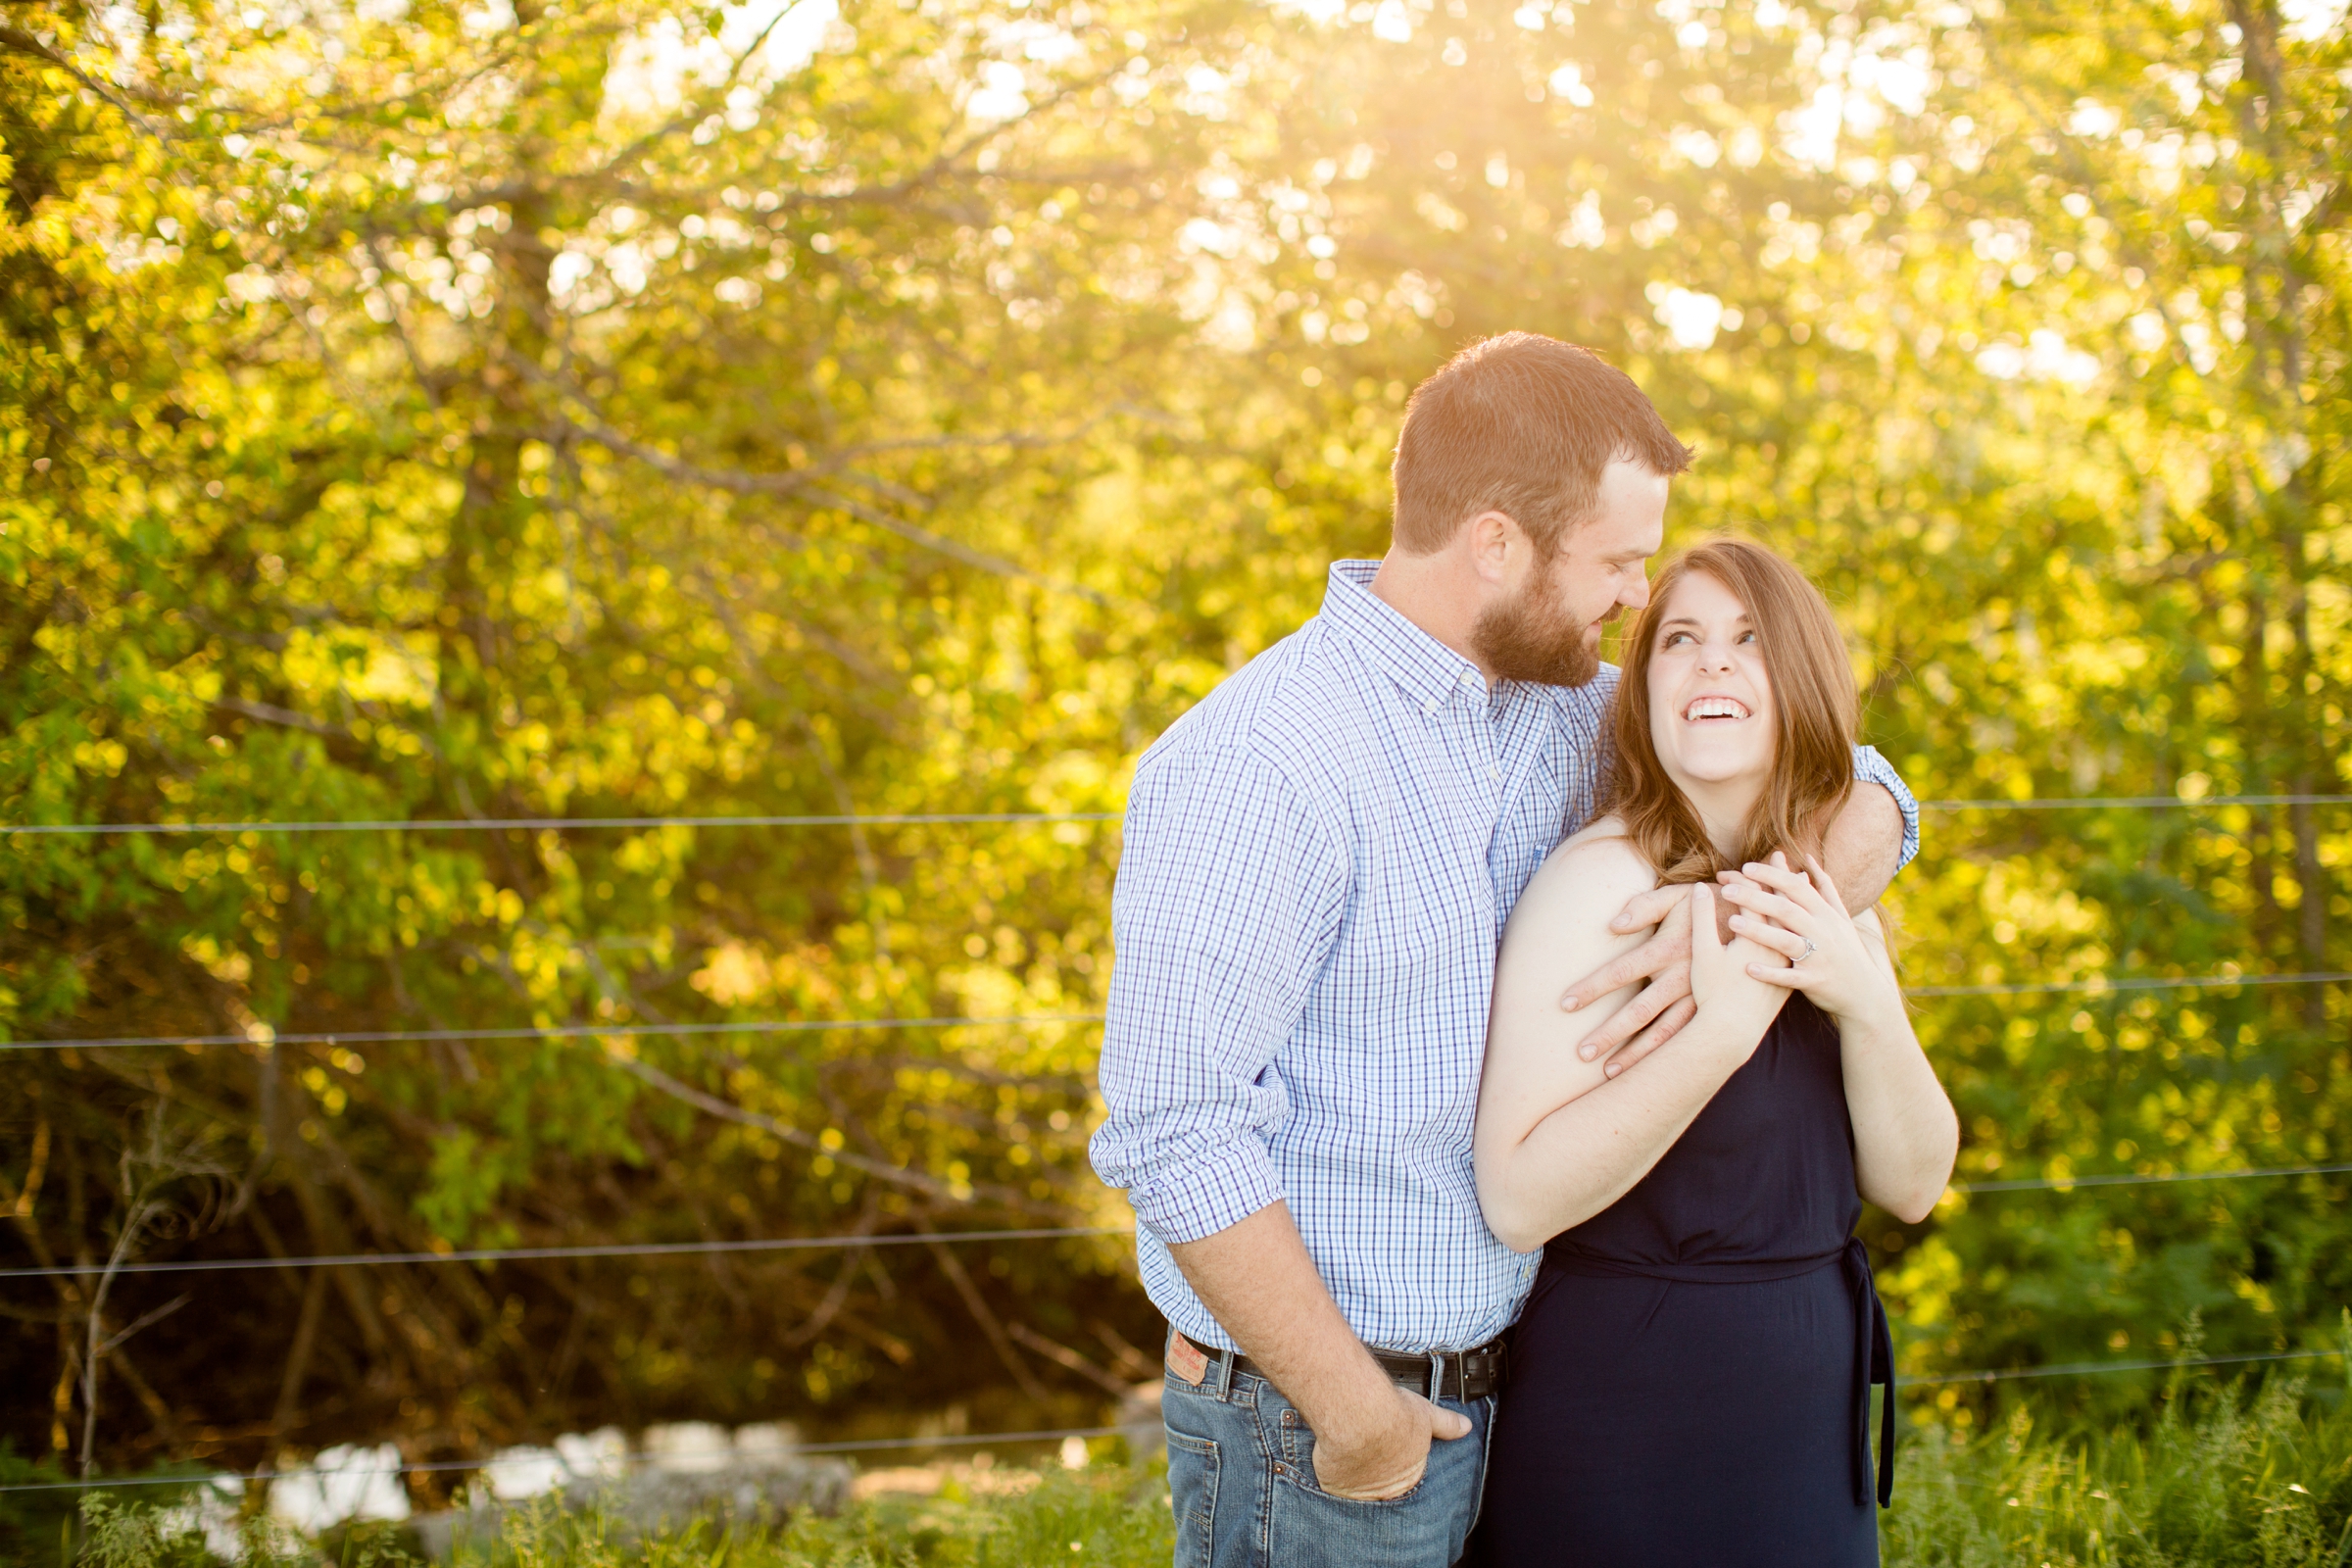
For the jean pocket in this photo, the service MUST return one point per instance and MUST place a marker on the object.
(1297, 1451)
(1193, 1492)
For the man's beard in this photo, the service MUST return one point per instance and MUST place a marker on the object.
(1532, 637)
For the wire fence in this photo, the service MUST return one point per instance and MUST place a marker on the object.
(265, 1034)
(858, 1239)
(459, 1466)
(2082, 1369)
(1986, 1375)
(532, 824)
(508, 1254)
(493, 824)
(2064, 1183)
(2095, 985)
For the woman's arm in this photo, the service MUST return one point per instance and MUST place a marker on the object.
(1558, 1140)
(1905, 1132)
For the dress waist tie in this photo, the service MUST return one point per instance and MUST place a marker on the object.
(1874, 1340)
(1874, 1362)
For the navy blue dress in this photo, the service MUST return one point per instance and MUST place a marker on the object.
(1691, 1380)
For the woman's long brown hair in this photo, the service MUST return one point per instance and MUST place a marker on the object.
(1815, 713)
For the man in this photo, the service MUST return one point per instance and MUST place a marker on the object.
(1319, 860)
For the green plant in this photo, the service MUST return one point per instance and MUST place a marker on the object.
(2222, 1474)
(125, 1533)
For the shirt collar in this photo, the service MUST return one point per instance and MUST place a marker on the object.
(1428, 671)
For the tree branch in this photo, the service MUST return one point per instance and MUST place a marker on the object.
(977, 1306)
(727, 1111)
(24, 43)
(1063, 1355)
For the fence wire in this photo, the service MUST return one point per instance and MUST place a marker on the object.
(1986, 1375)
(265, 1034)
(793, 1243)
(2095, 985)
(494, 824)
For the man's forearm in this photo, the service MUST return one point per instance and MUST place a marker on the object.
(1257, 1281)
(1864, 847)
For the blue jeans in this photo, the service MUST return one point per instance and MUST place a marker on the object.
(1242, 1471)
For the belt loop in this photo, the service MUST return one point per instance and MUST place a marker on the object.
(1436, 1377)
(1225, 1363)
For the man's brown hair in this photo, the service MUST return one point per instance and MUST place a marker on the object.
(1816, 713)
(1522, 425)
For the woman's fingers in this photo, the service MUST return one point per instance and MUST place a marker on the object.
(1764, 934)
(1781, 878)
(1795, 976)
(1757, 900)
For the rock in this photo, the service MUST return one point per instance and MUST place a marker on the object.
(655, 1502)
(1138, 1421)
(688, 1448)
(343, 1483)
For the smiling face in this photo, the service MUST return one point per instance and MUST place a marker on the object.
(1548, 629)
(1736, 720)
(1710, 696)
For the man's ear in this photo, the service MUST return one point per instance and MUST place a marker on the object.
(1491, 534)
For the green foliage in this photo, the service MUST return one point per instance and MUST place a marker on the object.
(2221, 1477)
(470, 412)
(33, 1522)
(2259, 1477)
(121, 1531)
(131, 1536)
(1111, 1516)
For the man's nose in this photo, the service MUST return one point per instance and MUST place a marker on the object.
(1635, 595)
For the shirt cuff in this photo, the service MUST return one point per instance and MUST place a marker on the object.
(1221, 1188)
(1871, 768)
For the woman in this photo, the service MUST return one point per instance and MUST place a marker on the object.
(1690, 1382)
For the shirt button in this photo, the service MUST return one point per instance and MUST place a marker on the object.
(1494, 774)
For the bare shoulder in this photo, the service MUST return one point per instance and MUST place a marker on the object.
(1600, 860)
(1600, 830)
(1559, 934)
(1577, 891)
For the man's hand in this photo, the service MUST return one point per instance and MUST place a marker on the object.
(1371, 1436)
(1388, 1460)
(1664, 1005)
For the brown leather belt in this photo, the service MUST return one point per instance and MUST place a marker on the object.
(1462, 1376)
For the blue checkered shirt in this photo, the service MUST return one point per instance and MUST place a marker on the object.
(1320, 860)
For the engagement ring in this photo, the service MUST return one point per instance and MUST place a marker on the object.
(1802, 956)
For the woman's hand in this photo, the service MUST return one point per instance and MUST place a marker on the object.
(1726, 978)
(1803, 921)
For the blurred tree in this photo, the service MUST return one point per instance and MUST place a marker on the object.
(644, 409)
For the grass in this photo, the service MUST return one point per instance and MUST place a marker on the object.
(2221, 1475)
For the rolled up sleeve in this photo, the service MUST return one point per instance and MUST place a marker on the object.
(1871, 768)
(1228, 899)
